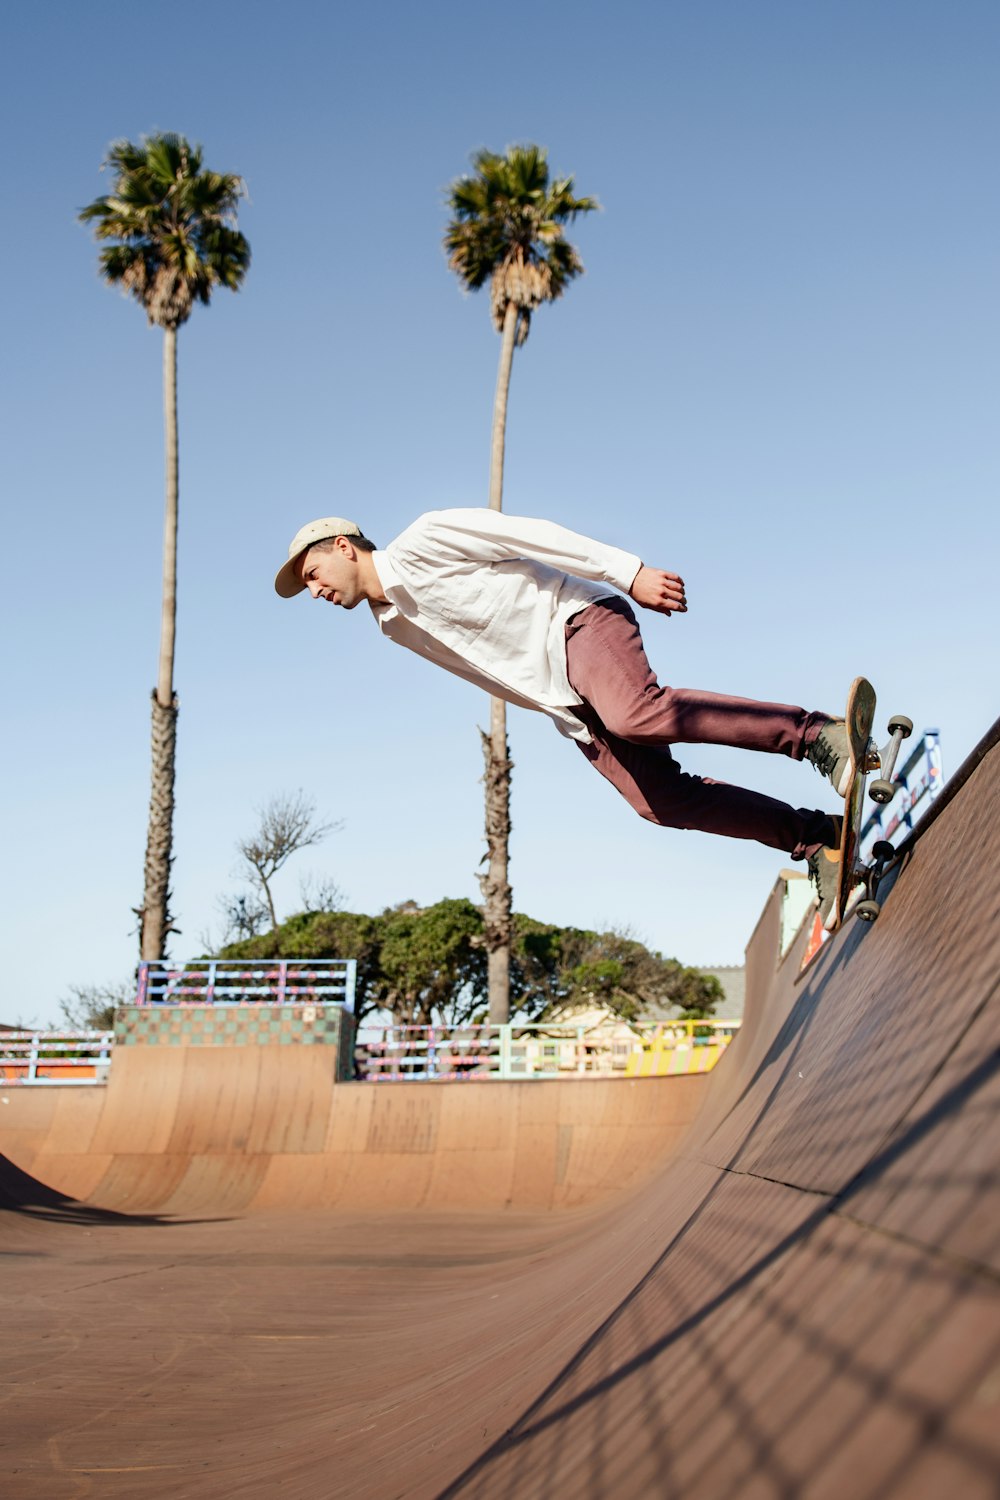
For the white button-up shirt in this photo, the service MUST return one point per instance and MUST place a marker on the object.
(487, 596)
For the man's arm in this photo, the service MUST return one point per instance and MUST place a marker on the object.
(493, 536)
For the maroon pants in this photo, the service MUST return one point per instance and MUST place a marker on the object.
(634, 721)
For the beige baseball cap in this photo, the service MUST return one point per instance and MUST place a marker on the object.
(287, 582)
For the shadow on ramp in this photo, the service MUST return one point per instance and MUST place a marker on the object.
(20, 1193)
(556, 1406)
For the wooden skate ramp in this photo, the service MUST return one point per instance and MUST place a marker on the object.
(799, 1297)
(239, 1129)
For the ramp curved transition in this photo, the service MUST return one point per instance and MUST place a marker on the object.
(240, 1285)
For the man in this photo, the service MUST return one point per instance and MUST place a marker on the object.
(534, 613)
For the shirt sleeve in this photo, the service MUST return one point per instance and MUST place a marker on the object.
(477, 535)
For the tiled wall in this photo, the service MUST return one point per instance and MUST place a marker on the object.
(236, 1026)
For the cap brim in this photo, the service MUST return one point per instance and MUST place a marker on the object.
(287, 582)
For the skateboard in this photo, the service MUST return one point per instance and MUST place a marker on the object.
(865, 757)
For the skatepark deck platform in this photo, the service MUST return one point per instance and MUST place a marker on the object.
(227, 1276)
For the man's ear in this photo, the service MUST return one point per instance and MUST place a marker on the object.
(345, 545)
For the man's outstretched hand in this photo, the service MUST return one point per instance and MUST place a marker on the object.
(654, 589)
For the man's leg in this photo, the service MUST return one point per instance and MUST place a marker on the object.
(607, 666)
(654, 784)
(633, 720)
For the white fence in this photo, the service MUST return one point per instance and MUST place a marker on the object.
(394, 1053)
(241, 981)
(55, 1057)
(441, 1054)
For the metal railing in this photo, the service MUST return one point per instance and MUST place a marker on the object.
(441, 1054)
(394, 1053)
(55, 1057)
(228, 981)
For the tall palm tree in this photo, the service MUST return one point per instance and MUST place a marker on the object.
(170, 238)
(506, 229)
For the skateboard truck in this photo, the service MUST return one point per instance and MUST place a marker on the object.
(868, 908)
(857, 878)
(883, 789)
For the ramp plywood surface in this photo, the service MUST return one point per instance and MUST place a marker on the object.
(278, 1285)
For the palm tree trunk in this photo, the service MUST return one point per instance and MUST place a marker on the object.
(495, 884)
(500, 406)
(154, 917)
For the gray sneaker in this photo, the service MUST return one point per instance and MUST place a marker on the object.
(830, 753)
(824, 872)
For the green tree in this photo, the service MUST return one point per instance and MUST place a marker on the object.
(507, 229)
(433, 963)
(427, 965)
(559, 969)
(169, 238)
(421, 964)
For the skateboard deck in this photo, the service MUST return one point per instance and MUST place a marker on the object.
(860, 716)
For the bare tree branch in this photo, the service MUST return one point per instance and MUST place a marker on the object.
(320, 893)
(244, 915)
(287, 823)
(91, 1007)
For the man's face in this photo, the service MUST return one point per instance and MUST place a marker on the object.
(332, 574)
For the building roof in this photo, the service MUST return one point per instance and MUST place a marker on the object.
(733, 979)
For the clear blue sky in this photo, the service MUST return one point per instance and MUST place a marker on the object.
(778, 378)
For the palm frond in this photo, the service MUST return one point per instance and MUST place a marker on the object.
(506, 229)
(171, 224)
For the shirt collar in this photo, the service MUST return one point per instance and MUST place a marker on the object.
(387, 575)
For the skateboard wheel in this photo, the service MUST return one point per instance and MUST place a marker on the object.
(867, 911)
(883, 850)
(902, 723)
(882, 791)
